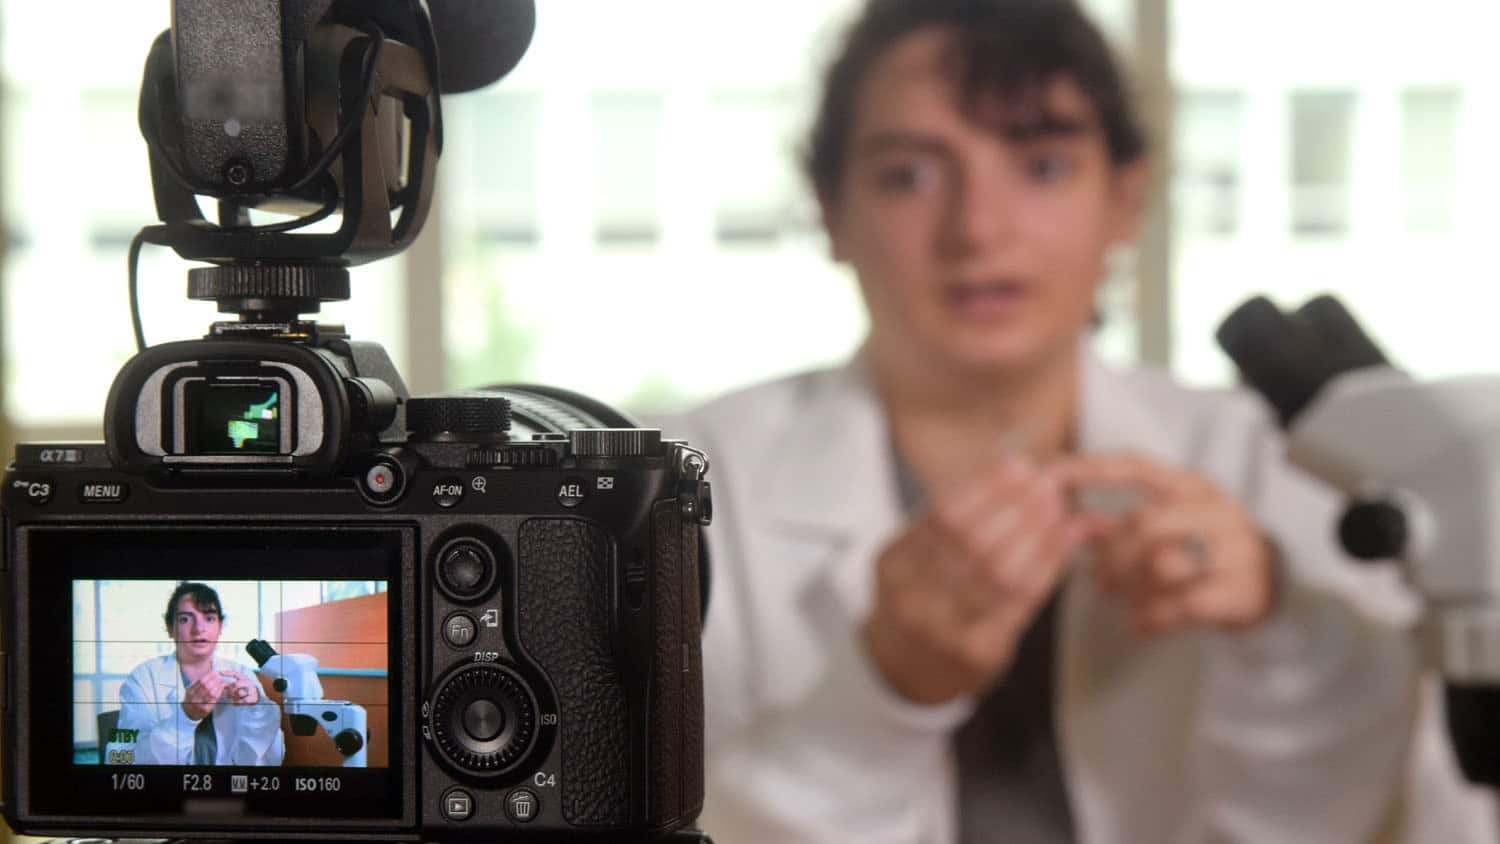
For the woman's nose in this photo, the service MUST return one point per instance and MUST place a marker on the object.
(981, 215)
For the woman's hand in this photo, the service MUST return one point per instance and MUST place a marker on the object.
(1189, 554)
(198, 699)
(956, 591)
(244, 691)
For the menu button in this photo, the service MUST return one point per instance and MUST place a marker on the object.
(103, 493)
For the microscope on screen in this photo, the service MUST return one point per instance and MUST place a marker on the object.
(1420, 462)
(295, 677)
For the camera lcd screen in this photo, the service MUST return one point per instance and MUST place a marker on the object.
(249, 671)
(233, 417)
(162, 674)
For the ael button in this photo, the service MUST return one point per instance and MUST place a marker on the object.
(571, 492)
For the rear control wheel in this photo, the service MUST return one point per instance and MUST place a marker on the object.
(483, 719)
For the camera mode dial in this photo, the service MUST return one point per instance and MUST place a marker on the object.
(483, 720)
(465, 417)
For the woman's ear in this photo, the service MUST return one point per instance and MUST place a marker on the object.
(1132, 185)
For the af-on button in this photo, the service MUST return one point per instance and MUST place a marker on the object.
(448, 492)
(110, 492)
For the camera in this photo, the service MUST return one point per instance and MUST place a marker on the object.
(283, 597)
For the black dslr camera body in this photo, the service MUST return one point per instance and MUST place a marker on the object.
(469, 616)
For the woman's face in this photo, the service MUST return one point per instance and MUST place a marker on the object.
(195, 631)
(978, 248)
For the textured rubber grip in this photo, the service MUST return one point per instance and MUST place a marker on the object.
(563, 615)
(677, 673)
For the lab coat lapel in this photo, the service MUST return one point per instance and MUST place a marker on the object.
(833, 504)
(169, 683)
(1120, 698)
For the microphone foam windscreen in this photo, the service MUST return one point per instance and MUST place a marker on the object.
(479, 41)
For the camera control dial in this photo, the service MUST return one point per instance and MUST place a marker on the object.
(465, 417)
(483, 719)
(616, 442)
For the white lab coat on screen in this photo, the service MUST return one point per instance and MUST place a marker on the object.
(1313, 727)
(150, 701)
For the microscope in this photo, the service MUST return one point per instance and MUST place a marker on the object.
(295, 676)
(1420, 464)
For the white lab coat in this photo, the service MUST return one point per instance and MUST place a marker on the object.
(1300, 730)
(150, 701)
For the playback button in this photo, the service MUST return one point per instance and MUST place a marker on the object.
(458, 805)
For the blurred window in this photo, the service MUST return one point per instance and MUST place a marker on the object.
(1364, 168)
(1429, 145)
(1322, 126)
(1207, 178)
(627, 171)
(753, 182)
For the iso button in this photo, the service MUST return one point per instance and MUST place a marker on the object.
(448, 492)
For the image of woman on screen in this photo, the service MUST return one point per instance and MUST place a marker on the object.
(188, 708)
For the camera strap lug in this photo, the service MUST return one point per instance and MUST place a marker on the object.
(694, 494)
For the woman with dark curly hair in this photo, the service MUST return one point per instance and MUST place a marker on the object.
(979, 586)
(190, 708)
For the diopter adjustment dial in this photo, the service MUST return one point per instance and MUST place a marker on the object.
(615, 442)
(466, 417)
(483, 720)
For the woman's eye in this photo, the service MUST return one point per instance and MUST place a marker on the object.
(906, 178)
(1048, 168)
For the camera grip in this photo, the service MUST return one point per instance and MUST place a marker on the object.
(677, 676)
(563, 614)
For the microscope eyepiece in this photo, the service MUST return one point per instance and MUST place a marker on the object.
(260, 650)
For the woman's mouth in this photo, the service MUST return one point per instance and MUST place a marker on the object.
(985, 301)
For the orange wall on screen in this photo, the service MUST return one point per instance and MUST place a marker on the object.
(341, 634)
